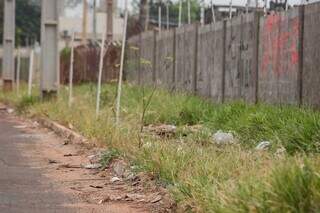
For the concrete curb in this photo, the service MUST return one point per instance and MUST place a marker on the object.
(63, 131)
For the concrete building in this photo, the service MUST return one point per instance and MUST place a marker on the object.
(71, 20)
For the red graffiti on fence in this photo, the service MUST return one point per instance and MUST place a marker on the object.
(277, 43)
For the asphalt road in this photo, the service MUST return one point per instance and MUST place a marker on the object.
(23, 188)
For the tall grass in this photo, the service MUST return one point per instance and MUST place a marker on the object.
(201, 176)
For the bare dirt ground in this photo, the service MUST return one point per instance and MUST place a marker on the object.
(41, 172)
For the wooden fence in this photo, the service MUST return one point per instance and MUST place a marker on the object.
(273, 59)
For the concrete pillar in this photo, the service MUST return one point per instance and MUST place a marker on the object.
(50, 69)
(8, 44)
(109, 20)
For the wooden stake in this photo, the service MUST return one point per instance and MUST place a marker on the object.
(122, 63)
(213, 12)
(18, 71)
(30, 72)
(71, 70)
(100, 74)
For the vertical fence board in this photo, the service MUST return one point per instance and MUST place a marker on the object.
(147, 50)
(279, 57)
(133, 56)
(311, 59)
(180, 49)
(232, 73)
(205, 60)
(216, 74)
(247, 48)
(189, 57)
(164, 55)
(273, 59)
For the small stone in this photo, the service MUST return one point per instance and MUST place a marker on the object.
(265, 145)
(10, 111)
(94, 158)
(119, 168)
(93, 166)
(96, 186)
(20, 127)
(115, 179)
(156, 199)
(53, 161)
(280, 151)
(223, 138)
(70, 126)
(105, 200)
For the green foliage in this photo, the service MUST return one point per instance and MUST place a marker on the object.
(26, 102)
(108, 156)
(173, 10)
(28, 16)
(203, 177)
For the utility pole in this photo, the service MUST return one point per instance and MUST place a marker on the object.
(213, 12)
(50, 69)
(84, 21)
(147, 9)
(265, 10)
(94, 20)
(230, 10)
(8, 44)
(109, 20)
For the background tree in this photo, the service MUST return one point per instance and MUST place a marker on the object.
(28, 19)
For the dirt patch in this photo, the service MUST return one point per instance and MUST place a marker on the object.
(66, 164)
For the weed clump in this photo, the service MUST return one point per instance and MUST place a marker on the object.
(201, 176)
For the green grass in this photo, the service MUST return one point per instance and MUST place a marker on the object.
(201, 176)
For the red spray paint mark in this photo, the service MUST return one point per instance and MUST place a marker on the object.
(277, 44)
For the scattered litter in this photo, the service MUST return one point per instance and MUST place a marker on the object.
(115, 179)
(68, 166)
(133, 197)
(96, 186)
(119, 168)
(35, 124)
(105, 200)
(66, 142)
(223, 138)
(95, 158)
(156, 199)
(163, 130)
(93, 166)
(53, 161)
(70, 126)
(20, 127)
(265, 145)
(10, 111)
(280, 151)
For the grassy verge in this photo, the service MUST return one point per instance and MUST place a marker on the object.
(203, 177)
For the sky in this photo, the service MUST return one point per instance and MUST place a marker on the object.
(77, 11)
